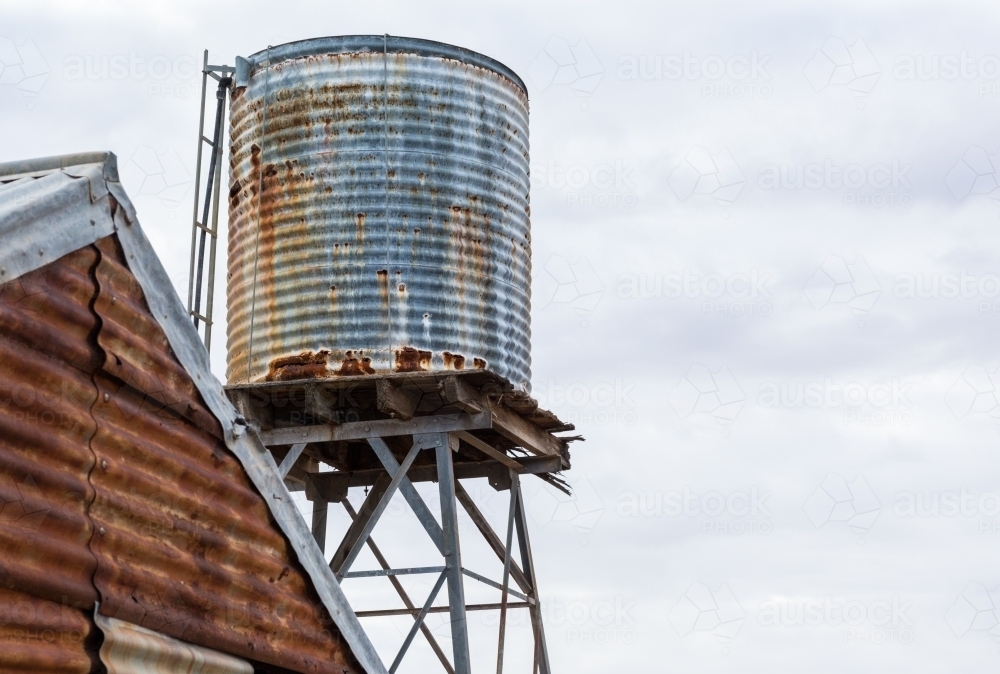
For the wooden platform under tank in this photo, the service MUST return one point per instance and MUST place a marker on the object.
(496, 428)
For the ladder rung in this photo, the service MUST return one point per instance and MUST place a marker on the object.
(205, 139)
(203, 228)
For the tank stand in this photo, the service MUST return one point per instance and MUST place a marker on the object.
(388, 456)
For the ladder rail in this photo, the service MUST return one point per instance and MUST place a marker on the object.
(201, 231)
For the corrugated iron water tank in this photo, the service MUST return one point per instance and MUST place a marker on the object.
(379, 217)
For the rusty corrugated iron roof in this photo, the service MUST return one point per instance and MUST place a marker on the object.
(120, 449)
(185, 545)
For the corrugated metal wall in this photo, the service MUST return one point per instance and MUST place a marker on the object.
(117, 486)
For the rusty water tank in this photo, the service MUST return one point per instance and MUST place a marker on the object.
(378, 208)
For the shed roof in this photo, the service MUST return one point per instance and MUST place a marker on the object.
(179, 514)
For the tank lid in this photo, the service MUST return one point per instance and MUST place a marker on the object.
(349, 44)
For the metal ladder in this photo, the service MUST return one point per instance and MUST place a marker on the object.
(200, 230)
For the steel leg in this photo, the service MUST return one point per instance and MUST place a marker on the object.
(453, 556)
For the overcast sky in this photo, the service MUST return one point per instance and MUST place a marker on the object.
(766, 289)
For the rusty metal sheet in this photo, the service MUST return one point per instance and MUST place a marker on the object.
(135, 348)
(39, 636)
(130, 649)
(391, 232)
(46, 392)
(44, 209)
(257, 462)
(184, 543)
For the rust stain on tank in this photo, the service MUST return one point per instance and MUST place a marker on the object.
(453, 361)
(354, 365)
(453, 179)
(234, 194)
(383, 291)
(306, 365)
(359, 229)
(409, 359)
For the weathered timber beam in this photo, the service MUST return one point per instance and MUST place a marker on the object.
(330, 485)
(504, 420)
(397, 402)
(525, 434)
(458, 393)
(381, 428)
(490, 451)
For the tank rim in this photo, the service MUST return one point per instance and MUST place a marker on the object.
(348, 44)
